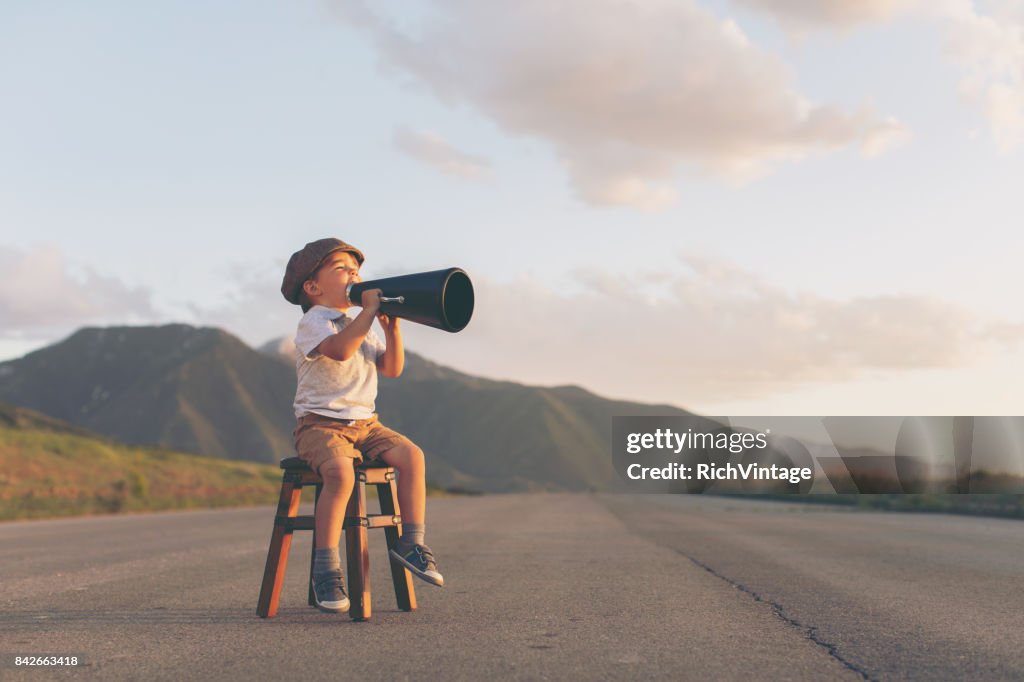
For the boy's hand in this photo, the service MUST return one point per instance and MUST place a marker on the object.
(388, 322)
(371, 300)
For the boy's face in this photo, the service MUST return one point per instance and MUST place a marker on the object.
(327, 286)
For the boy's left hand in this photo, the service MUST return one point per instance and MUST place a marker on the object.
(389, 322)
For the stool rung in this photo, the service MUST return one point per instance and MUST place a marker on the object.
(301, 477)
(376, 476)
(291, 523)
(373, 521)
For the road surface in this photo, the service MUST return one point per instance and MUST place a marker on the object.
(538, 587)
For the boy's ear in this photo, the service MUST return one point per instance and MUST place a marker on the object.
(310, 287)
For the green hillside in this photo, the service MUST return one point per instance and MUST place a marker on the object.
(49, 469)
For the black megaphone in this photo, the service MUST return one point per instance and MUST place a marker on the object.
(442, 299)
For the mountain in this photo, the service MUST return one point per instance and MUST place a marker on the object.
(482, 434)
(175, 386)
(202, 390)
(12, 417)
(504, 436)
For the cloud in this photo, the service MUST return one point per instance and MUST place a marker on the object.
(705, 333)
(252, 307)
(884, 136)
(42, 293)
(987, 48)
(801, 14)
(626, 93)
(437, 152)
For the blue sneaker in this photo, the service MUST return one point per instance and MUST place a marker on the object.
(420, 561)
(329, 592)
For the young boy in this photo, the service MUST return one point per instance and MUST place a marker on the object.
(337, 359)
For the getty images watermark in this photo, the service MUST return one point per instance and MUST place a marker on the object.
(804, 455)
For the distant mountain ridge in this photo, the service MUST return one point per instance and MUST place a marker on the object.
(24, 418)
(192, 389)
(202, 390)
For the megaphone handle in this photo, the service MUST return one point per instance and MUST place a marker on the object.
(383, 299)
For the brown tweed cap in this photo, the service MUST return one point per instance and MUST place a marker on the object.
(305, 262)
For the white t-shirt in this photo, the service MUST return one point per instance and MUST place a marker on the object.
(342, 389)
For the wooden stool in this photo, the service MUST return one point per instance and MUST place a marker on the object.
(296, 475)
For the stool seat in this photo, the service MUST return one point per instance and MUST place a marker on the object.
(300, 464)
(356, 523)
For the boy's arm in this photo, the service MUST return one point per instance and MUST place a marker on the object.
(392, 360)
(344, 344)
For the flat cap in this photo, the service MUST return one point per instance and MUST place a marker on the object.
(305, 262)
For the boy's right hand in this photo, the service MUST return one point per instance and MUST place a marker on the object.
(371, 300)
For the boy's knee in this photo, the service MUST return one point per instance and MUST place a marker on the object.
(337, 471)
(415, 454)
(406, 455)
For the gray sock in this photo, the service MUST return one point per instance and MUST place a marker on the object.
(412, 534)
(326, 559)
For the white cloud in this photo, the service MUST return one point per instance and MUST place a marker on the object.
(435, 151)
(990, 51)
(709, 332)
(988, 48)
(705, 333)
(252, 307)
(42, 293)
(886, 135)
(626, 93)
(800, 14)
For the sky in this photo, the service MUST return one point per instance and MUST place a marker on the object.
(802, 207)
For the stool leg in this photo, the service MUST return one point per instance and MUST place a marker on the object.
(357, 553)
(405, 593)
(312, 552)
(280, 543)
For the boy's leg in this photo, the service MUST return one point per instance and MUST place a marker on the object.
(412, 552)
(328, 584)
(338, 477)
(395, 450)
(326, 446)
(408, 459)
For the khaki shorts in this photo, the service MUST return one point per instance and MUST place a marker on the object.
(319, 439)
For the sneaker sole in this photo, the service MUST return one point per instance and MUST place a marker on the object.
(415, 571)
(342, 607)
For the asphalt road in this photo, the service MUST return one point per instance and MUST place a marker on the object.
(538, 587)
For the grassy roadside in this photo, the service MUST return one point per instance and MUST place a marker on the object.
(48, 474)
(53, 472)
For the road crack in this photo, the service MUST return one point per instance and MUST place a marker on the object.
(809, 631)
